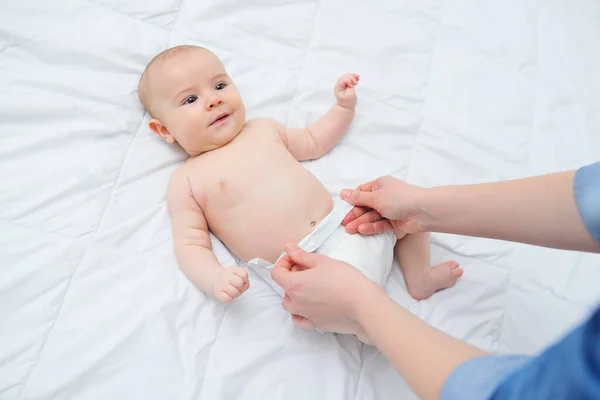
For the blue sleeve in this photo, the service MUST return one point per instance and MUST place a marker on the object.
(587, 196)
(568, 370)
(478, 378)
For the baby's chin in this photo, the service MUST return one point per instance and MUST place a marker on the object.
(219, 141)
(224, 140)
(224, 136)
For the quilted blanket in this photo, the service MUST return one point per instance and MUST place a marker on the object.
(92, 302)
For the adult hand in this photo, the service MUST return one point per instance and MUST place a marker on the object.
(385, 204)
(321, 292)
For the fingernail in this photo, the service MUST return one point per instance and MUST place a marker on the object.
(346, 193)
(291, 247)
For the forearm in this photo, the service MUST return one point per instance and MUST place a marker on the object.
(539, 210)
(424, 356)
(328, 130)
(199, 264)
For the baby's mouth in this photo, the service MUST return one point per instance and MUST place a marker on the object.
(221, 118)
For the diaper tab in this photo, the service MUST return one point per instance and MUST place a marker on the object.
(326, 227)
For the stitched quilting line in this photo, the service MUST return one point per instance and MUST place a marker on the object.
(76, 269)
(45, 233)
(212, 46)
(105, 7)
(427, 88)
(102, 218)
(501, 325)
(311, 37)
(421, 118)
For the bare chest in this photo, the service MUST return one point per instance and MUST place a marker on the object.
(235, 173)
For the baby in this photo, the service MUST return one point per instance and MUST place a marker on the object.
(244, 182)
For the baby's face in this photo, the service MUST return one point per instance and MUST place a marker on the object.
(196, 101)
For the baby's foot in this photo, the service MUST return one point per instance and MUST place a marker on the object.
(441, 276)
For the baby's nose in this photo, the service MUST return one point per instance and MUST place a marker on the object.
(214, 103)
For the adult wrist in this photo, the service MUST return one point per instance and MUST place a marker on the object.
(364, 300)
(422, 198)
(424, 205)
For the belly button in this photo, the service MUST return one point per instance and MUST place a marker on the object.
(312, 223)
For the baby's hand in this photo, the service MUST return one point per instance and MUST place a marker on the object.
(229, 283)
(344, 90)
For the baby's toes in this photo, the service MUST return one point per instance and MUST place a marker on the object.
(452, 264)
(455, 270)
(445, 274)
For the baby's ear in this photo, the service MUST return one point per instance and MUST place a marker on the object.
(157, 127)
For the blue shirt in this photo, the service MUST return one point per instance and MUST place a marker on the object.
(570, 369)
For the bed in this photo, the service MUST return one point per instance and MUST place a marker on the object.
(92, 302)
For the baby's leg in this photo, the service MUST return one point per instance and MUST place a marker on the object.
(414, 255)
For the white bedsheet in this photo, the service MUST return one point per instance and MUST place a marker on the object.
(92, 303)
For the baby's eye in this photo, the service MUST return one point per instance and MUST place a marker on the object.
(220, 86)
(190, 100)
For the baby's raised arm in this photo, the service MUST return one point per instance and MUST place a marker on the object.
(193, 248)
(319, 137)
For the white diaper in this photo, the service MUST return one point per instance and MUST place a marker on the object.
(372, 255)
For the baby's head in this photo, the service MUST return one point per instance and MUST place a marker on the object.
(191, 99)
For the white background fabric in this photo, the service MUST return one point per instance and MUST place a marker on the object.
(92, 303)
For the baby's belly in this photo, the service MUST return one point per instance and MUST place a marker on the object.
(271, 215)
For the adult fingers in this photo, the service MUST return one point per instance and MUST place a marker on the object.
(281, 270)
(287, 304)
(359, 197)
(355, 213)
(375, 227)
(369, 217)
(303, 258)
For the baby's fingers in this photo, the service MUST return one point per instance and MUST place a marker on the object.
(238, 282)
(302, 323)
(341, 85)
(343, 82)
(232, 291)
(241, 272)
(350, 81)
(352, 78)
(246, 287)
(223, 296)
